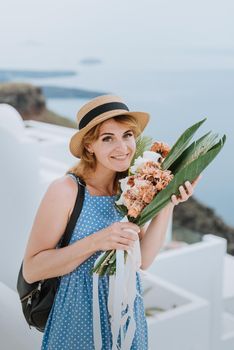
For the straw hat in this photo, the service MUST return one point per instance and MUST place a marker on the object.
(96, 111)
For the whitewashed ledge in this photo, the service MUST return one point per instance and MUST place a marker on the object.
(205, 270)
(183, 319)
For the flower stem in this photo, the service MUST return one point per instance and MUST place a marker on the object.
(103, 261)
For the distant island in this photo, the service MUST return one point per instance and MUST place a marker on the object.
(191, 219)
(63, 92)
(90, 61)
(49, 91)
(12, 74)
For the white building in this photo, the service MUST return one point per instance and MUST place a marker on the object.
(191, 287)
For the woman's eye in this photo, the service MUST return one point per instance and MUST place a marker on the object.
(129, 134)
(109, 138)
(106, 139)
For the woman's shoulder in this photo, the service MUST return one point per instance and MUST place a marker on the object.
(64, 187)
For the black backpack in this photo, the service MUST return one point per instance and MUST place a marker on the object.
(37, 298)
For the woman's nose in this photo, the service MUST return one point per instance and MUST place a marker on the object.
(121, 145)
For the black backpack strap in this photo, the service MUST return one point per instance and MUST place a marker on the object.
(75, 213)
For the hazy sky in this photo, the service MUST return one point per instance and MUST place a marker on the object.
(130, 31)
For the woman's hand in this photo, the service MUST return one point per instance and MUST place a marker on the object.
(119, 235)
(186, 191)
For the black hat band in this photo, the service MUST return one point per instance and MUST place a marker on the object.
(110, 106)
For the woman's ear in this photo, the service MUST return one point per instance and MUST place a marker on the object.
(89, 149)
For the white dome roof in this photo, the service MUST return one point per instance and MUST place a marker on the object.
(11, 120)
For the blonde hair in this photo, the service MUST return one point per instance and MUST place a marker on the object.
(88, 162)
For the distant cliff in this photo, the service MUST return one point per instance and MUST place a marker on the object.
(191, 219)
(30, 102)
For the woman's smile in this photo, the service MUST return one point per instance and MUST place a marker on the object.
(121, 157)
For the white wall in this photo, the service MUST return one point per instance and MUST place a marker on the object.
(19, 193)
(14, 331)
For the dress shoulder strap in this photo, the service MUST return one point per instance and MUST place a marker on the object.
(77, 179)
(75, 213)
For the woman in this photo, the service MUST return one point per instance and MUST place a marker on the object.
(105, 144)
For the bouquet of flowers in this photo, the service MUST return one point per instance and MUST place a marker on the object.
(155, 175)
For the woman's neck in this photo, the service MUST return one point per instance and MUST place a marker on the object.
(101, 184)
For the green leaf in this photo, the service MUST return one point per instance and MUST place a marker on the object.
(121, 208)
(223, 140)
(143, 144)
(180, 145)
(189, 172)
(197, 148)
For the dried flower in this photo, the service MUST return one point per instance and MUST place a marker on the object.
(161, 148)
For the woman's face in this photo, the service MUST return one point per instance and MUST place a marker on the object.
(115, 146)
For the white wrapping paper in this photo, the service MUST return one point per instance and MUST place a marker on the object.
(122, 294)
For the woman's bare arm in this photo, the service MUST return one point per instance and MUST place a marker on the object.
(42, 260)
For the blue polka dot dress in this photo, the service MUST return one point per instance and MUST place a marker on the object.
(70, 323)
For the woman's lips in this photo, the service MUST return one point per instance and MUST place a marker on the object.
(122, 157)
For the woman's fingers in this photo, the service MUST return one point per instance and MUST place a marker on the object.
(127, 242)
(174, 199)
(183, 193)
(189, 188)
(129, 225)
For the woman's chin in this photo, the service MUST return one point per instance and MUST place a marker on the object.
(122, 168)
